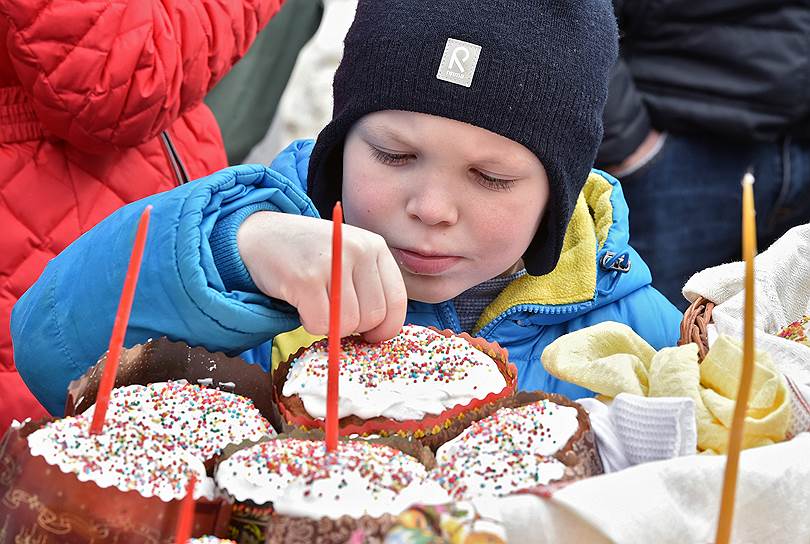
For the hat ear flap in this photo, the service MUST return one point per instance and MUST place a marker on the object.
(325, 177)
(541, 257)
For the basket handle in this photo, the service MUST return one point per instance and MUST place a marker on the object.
(695, 321)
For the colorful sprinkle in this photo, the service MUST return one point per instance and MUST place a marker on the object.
(199, 419)
(511, 450)
(154, 437)
(797, 331)
(418, 372)
(300, 476)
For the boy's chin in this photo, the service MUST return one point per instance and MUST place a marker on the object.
(431, 292)
(429, 300)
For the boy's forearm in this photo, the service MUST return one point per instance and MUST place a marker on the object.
(62, 325)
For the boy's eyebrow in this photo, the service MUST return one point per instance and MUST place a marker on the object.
(499, 163)
(385, 133)
(488, 159)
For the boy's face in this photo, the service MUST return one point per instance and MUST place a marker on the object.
(457, 204)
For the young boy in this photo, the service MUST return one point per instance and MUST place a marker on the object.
(461, 146)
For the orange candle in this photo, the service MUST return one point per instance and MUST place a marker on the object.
(120, 325)
(749, 243)
(334, 331)
(185, 521)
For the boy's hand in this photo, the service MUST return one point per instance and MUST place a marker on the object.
(289, 258)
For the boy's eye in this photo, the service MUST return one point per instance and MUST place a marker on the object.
(391, 159)
(495, 184)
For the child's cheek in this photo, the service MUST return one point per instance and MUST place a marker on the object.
(362, 203)
(507, 231)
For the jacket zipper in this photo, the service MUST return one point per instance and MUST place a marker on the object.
(175, 163)
(531, 308)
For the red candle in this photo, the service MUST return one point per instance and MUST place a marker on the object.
(120, 326)
(185, 521)
(334, 331)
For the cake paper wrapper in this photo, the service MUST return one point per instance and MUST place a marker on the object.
(293, 530)
(432, 430)
(162, 360)
(41, 504)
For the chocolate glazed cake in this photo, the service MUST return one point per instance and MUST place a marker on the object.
(534, 440)
(423, 384)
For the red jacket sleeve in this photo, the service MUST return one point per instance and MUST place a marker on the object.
(118, 72)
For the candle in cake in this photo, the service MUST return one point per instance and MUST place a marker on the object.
(749, 242)
(120, 325)
(334, 331)
(185, 521)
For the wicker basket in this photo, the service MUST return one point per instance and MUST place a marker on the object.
(696, 319)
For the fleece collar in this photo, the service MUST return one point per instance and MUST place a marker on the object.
(573, 280)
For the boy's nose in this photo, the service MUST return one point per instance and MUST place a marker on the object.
(432, 205)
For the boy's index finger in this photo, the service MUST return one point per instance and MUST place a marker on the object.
(396, 300)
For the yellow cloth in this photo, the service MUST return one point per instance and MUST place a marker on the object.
(609, 358)
(288, 343)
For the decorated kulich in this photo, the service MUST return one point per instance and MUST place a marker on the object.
(423, 383)
(798, 331)
(209, 540)
(162, 360)
(202, 421)
(61, 484)
(534, 441)
(292, 490)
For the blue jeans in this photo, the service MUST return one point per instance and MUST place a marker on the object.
(685, 203)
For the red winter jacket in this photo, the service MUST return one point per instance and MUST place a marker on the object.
(87, 92)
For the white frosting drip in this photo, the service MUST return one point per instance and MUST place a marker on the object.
(363, 479)
(507, 452)
(122, 456)
(417, 373)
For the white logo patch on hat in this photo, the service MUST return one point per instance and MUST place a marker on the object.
(458, 62)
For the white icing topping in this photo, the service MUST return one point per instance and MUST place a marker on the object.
(204, 421)
(490, 475)
(122, 456)
(507, 452)
(300, 479)
(153, 437)
(542, 428)
(419, 372)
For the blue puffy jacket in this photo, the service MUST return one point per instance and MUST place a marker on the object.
(63, 323)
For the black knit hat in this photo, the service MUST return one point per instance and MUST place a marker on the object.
(534, 71)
